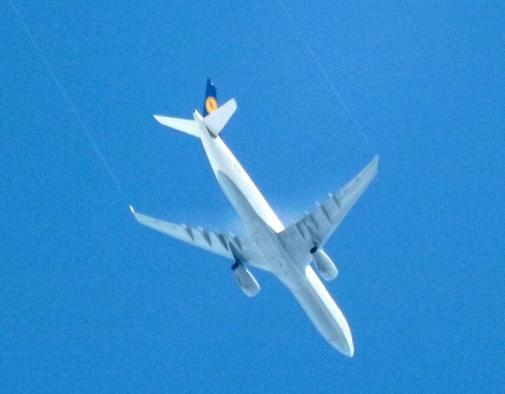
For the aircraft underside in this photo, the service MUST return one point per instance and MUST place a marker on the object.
(286, 252)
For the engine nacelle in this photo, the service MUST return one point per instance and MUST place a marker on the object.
(324, 265)
(247, 282)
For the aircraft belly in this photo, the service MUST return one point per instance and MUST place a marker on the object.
(323, 311)
(267, 244)
(236, 183)
(262, 227)
(308, 290)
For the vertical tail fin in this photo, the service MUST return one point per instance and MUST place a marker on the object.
(210, 102)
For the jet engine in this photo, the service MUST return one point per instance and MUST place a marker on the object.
(324, 264)
(245, 279)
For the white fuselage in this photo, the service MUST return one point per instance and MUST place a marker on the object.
(262, 227)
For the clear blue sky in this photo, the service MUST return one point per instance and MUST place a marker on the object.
(92, 302)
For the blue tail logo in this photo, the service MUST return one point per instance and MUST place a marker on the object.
(210, 103)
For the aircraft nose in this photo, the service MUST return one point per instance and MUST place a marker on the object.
(343, 345)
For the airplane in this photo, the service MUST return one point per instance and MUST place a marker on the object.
(285, 251)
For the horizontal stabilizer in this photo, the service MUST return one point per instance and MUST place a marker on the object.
(221, 244)
(218, 118)
(316, 227)
(187, 126)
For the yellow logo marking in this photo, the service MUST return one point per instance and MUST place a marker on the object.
(210, 104)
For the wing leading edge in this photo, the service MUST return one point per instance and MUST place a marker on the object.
(221, 244)
(316, 227)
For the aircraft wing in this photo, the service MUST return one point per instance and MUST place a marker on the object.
(208, 240)
(316, 227)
